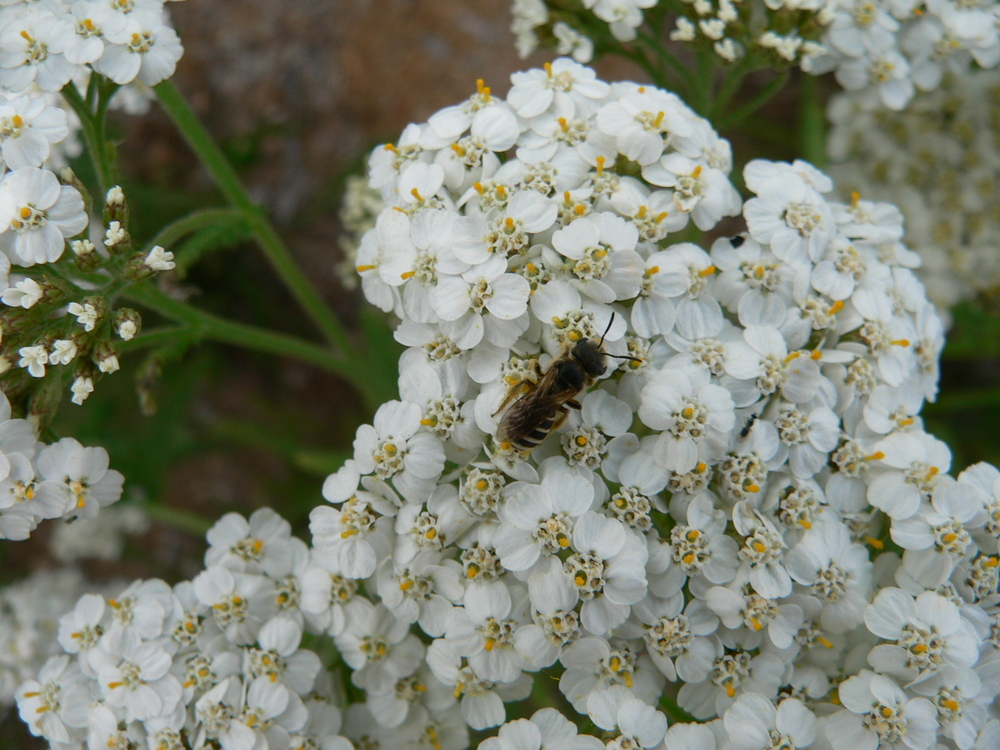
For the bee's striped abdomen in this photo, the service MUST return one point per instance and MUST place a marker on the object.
(532, 439)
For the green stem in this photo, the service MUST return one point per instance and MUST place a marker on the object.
(659, 49)
(765, 95)
(193, 222)
(226, 178)
(93, 136)
(199, 324)
(154, 337)
(704, 82)
(812, 122)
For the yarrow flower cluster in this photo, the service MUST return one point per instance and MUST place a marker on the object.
(47, 45)
(710, 521)
(893, 48)
(213, 662)
(786, 33)
(728, 440)
(47, 48)
(29, 618)
(938, 162)
(38, 481)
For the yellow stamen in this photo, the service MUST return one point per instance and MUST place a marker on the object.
(628, 679)
(876, 543)
(490, 643)
(659, 119)
(696, 173)
(876, 456)
(391, 147)
(548, 69)
(805, 524)
(652, 271)
(756, 624)
(760, 547)
(478, 187)
(855, 197)
(600, 165)
(823, 641)
(816, 354)
(951, 704)
(509, 224)
(458, 149)
(581, 441)
(900, 342)
(363, 269)
(407, 275)
(906, 422)
(836, 307)
(348, 533)
(730, 690)
(707, 272)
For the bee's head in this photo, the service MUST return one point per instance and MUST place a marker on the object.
(589, 355)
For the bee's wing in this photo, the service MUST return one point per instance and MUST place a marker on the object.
(531, 411)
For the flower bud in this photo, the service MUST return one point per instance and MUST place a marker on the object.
(127, 323)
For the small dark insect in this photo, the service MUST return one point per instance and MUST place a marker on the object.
(737, 241)
(539, 408)
(745, 432)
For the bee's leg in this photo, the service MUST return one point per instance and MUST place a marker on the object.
(520, 387)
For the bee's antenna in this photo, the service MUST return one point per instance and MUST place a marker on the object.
(623, 356)
(601, 342)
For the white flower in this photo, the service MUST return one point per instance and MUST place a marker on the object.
(56, 702)
(145, 48)
(32, 47)
(86, 315)
(28, 127)
(34, 359)
(837, 571)
(928, 630)
(136, 679)
(635, 722)
(160, 259)
(24, 293)
(753, 723)
(38, 215)
(644, 124)
(878, 713)
(790, 216)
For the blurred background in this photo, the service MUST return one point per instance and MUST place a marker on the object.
(297, 94)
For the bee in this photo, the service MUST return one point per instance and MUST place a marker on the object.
(745, 432)
(542, 407)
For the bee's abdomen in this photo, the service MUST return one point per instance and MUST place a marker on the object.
(532, 439)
